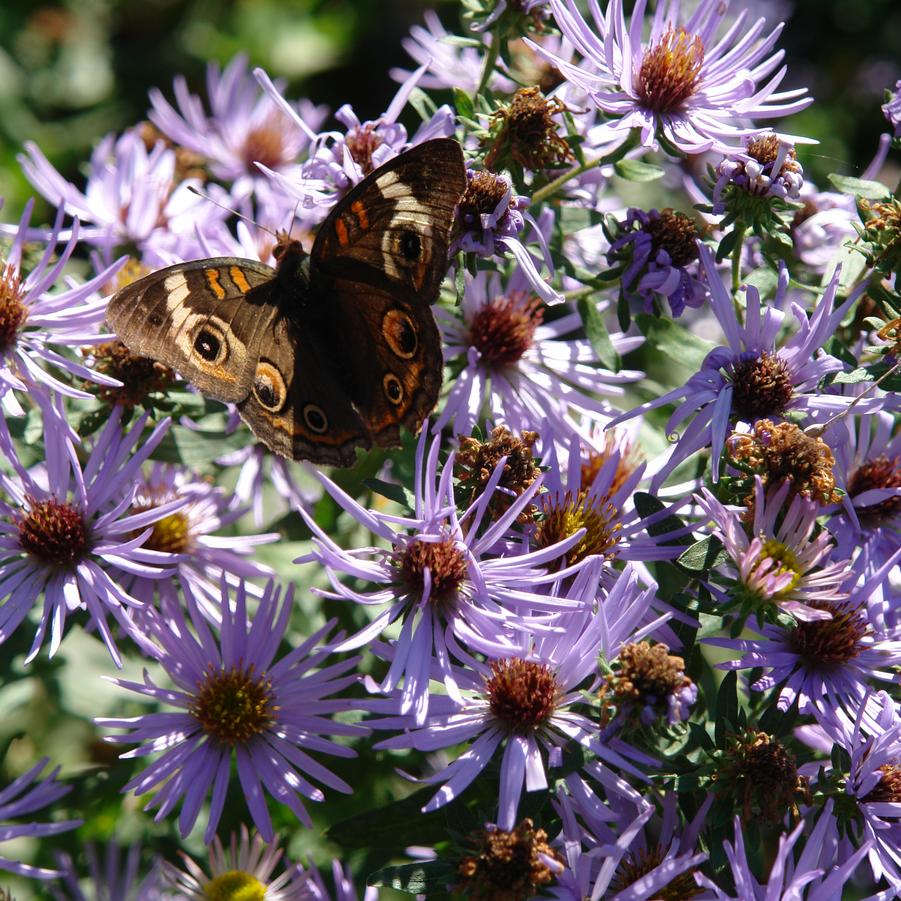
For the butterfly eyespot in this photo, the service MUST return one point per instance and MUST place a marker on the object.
(269, 387)
(410, 245)
(399, 333)
(209, 345)
(315, 418)
(394, 390)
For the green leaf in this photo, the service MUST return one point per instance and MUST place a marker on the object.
(429, 877)
(197, 447)
(463, 104)
(647, 505)
(702, 556)
(422, 103)
(726, 706)
(397, 493)
(853, 377)
(673, 341)
(764, 280)
(596, 331)
(636, 170)
(860, 187)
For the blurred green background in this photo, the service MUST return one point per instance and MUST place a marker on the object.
(72, 71)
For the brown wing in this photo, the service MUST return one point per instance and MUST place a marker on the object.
(205, 319)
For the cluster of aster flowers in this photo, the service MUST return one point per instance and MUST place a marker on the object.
(626, 610)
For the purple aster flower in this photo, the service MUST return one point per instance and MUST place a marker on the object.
(868, 468)
(823, 664)
(822, 226)
(65, 527)
(37, 323)
(815, 874)
(242, 870)
(270, 735)
(752, 377)
(244, 127)
(518, 370)
(132, 198)
(536, 9)
(441, 577)
(683, 86)
(21, 798)
(447, 63)
(782, 561)
(658, 252)
(339, 160)
(529, 702)
(488, 220)
(188, 532)
(111, 878)
(313, 886)
(892, 110)
(767, 169)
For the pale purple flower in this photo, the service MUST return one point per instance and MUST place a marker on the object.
(817, 874)
(111, 877)
(440, 576)
(721, 392)
(683, 87)
(892, 110)
(822, 226)
(827, 663)
(131, 198)
(269, 739)
(243, 127)
(313, 887)
(448, 63)
(781, 178)
(552, 671)
(38, 321)
(243, 868)
(519, 371)
(537, 9)
(784, 561)
(190, 533)
(659, 259)
(66, 529)
(21, 798)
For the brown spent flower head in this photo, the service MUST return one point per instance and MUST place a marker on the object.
(234, 705)
(634, 866)
(779, 452)
(483, 193)
(362, 142)
(564, 516)
(629, 460)
(828, 644)
(443, 559)
(508, 866)
(13, 311)
(643, 671)
(524, 131)
(504, 329)
(882, 229)
(760, 387)
(675, 233)
(188, 163)
(670, 71)
(476, 461)
(140, 376)
(891, 332)
(522, 694)
(888, 789)
(760, 776)
(766, 148)
(881, 472)
(54, 532)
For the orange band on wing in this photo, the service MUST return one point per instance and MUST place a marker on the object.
(212, 279)
(359, 209)
(341, 232)
(237, 276)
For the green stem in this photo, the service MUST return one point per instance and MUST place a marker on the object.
(552, 186)
(490, 62)
(736, 269)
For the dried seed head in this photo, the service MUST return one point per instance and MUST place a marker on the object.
(522, 694)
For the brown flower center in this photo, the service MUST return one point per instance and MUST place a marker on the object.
(881, 472)
(53, 532)
(265, 144)
(482, 195)
(888, 789)
(13, 311)
(503, 330)
(444, 561)
(522, 694)
(362, 142)
(675, 233)
(140, 376)
(640, 863)
(830, 643)
(507, 866)
(564, 516)
(760, 387)
(629, 460)
(234, 705)
(670, 71)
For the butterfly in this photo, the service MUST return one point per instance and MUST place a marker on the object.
(323, 353)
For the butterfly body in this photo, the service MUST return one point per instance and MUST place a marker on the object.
(326, 352)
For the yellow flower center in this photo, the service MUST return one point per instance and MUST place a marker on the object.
(235, 885)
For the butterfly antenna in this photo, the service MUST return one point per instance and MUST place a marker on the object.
(228, 209)
(815, 431)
